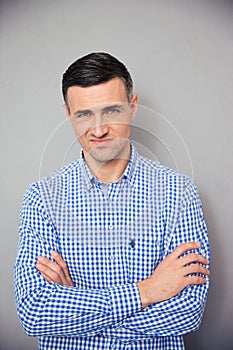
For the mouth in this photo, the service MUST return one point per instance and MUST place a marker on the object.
(100, 142)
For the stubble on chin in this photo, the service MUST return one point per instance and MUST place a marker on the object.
(121, 150)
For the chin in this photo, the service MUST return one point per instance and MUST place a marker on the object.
(101, 158)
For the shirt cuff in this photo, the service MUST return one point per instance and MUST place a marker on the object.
(125, 300)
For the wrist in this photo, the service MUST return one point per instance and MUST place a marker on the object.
(145, 295)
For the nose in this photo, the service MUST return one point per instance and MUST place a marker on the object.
(100, 127)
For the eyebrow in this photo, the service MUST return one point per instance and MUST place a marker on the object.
(81, 111)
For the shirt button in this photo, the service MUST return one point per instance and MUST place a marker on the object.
(110, 227)
(112, 257)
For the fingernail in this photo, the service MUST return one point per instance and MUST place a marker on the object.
(41, 258)
(38, 265)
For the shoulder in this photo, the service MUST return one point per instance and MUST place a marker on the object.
(165, 180)
(53, 182)
(63, 173)
(161, 172)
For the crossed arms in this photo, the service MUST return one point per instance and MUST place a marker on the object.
(148, 308)
(170, 277)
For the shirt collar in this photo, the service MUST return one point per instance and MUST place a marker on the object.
(90, 179)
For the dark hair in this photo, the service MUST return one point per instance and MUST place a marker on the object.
(93, 69)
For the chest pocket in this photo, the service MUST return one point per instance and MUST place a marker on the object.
(144, 249)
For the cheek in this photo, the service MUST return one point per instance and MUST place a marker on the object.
(82, 139)
(123, 130)
(80, 131)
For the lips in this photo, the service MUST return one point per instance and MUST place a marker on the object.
(100, 142)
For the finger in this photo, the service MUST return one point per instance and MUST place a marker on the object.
(194, 257)
(185, 247)
(196, 268)
(48, 279)
(51, 269)
(58, 258)
(48, 274)
(195, 280)
(60, 261)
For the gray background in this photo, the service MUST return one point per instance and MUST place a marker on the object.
(180, 54)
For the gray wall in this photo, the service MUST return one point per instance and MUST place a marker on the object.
(180, 54)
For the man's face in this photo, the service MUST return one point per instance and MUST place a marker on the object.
(101, 117)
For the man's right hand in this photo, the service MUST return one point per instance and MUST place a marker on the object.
(172, 275)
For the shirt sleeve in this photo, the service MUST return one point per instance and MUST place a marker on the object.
(181, 314)
(51, 309)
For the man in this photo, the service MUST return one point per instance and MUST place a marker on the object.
(113, 248)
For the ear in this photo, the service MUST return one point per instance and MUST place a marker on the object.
(134, 106)
(67, 110)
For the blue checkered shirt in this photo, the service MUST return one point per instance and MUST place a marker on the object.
(110, 240)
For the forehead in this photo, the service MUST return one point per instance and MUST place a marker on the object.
(101, 94)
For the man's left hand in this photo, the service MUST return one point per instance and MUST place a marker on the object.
(56, 272)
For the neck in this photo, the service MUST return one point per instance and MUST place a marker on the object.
(110, 171)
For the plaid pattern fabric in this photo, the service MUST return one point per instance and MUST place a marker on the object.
(110, 240)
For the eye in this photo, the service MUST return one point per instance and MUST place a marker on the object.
(82, 115)
(113, 111)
